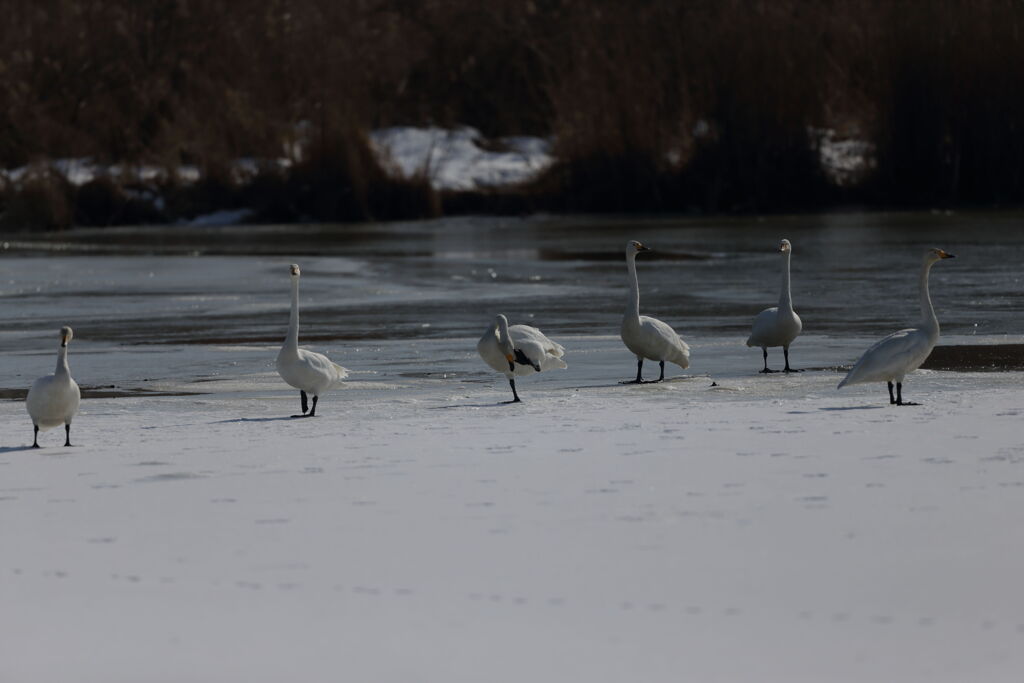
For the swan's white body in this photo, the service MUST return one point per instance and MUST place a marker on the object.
(648, 338)
(518, 350)
(310, 372)
(778, 325)
(890, 359)
(53, 400)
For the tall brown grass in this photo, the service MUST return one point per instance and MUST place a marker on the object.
(653, 105)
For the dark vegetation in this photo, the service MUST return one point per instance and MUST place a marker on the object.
(654, 105)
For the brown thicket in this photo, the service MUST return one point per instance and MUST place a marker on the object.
(652, 104)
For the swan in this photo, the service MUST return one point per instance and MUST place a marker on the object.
(53, 400)
(778, 325)
(309, 372)
(518, 350)
(648, 337)
(901, 352)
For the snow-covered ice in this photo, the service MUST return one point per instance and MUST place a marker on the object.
(768, 529)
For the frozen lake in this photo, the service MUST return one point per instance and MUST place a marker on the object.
(763, 529)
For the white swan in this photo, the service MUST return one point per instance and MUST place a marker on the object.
(901, 352)
(778, 325)
(53, 400)
(518, 350)
(309, 372)
(648, 337)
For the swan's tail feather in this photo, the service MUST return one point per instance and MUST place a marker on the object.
(342, 372)
(553, 363)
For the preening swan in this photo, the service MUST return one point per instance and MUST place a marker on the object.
(53, 400)
(309, 372)
(778, 325)
(518, 350)
(901, 352)
(648, 337)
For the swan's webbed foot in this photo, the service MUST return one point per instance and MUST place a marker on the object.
(767, 371)
(789, 369)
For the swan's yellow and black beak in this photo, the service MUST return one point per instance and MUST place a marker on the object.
(511, 362)
(641, 247)
(945, 254)
(295, 269)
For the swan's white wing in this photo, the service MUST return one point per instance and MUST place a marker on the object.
(536, 346)
(658, 341)
(310, 371)
(323, 366)
(891, 358)
(764, 326)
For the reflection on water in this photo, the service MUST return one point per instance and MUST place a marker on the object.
(853, 275)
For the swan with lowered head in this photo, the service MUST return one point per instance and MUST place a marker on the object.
(778, 325)
(309, 372)
(53, 400)
(890, 359)
(518, 350)
(648, 337)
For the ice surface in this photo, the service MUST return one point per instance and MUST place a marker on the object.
(723, 525)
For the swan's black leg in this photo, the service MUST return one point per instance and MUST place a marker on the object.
(305, 405)
(67, 435)
(312, 413)
(892, 399)
(515, 396)
(785, 352)
(639, 370)
(899, 396)
(35, 436)
(764, 350)
(662, 377)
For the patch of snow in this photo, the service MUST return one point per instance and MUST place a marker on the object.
(460, 159)
(845, 160)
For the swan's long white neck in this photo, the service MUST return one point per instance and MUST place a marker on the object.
(62, 362)
(633, 303)
(931, 323)
(291, 342)
(785, 297)
(504, 341)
